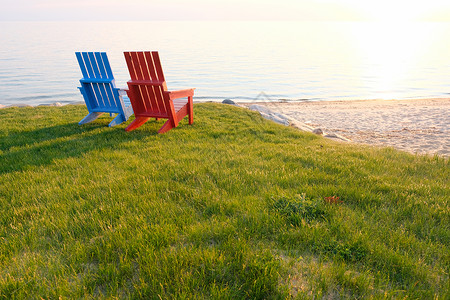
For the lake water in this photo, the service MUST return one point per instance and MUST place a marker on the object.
(237, 60)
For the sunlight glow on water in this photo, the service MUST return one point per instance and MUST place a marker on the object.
(237, 60)
(399, 57)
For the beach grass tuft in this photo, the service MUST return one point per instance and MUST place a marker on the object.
(231, 207)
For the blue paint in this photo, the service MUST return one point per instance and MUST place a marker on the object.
(98, 89)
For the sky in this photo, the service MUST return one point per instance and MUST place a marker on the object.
(245, 10)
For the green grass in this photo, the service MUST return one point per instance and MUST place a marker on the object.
(231, 207)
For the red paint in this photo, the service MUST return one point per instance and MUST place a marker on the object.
(149, 96)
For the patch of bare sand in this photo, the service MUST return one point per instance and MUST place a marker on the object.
(416, 126)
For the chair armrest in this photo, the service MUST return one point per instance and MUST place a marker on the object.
(181, 94)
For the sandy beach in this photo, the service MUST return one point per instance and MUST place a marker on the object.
(416, 126)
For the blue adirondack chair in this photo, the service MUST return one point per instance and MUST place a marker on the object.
(99, 90)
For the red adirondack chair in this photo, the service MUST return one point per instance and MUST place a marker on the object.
(149, 96)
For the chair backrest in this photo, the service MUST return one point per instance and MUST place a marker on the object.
(97, 84)
(147, 84)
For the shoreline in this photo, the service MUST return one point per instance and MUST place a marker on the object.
(419, 125)
(237, 101)
(414, 125)
(58, 104)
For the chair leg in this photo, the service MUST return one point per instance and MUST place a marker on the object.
(167, 126)
(128, 112)
(90, 117)
(117, 120)
(191, 110)
(137, 123)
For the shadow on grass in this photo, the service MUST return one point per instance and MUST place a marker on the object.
(24, 149)
(20, 138)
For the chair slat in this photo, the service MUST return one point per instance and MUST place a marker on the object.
(93, 93)
(146, 96)
(138, 93)
(130, 65)
(87, 63)
(94, 66)
(137, 67)
(101, 65)
(99, 94)
(158, 66)
(82, 64)
(113, 96)
(144, 67)
(151, 66)
(155, 107)
(151, 103)
(160, 99)
(90, 95)
(107, 66)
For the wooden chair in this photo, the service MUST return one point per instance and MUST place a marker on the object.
(99, 91)
(149, 95)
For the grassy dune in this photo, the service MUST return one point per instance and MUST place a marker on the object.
(231, 207)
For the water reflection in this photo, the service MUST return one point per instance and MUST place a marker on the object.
(239, 60)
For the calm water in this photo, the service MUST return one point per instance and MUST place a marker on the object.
(237, 60)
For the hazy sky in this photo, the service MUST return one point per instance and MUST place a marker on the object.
(148, 10)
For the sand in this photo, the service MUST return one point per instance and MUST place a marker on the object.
(417, 126)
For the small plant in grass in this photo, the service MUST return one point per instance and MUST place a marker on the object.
(298, 208)
(332, 200)
(348, 251)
